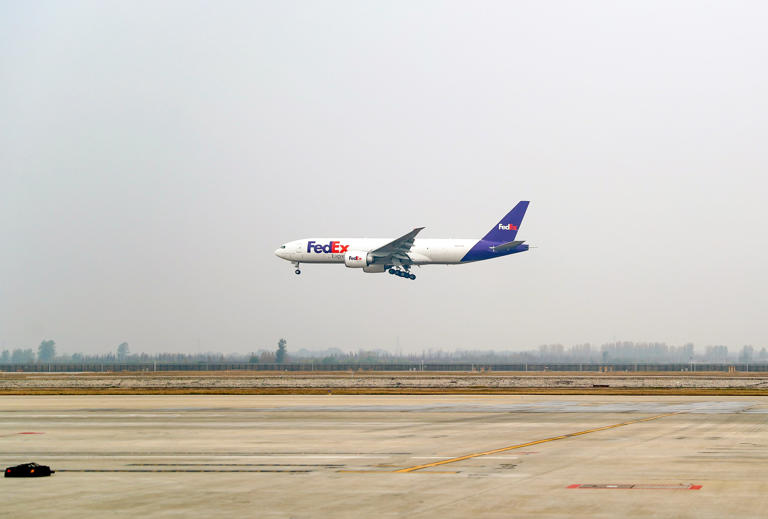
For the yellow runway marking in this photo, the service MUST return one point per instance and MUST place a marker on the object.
(528, 444)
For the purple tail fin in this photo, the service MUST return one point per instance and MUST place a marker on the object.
(506, 230)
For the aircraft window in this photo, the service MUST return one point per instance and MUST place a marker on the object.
(282, 246)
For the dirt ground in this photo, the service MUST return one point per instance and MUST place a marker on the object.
(360, 382)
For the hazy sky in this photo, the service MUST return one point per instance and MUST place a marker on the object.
(154, 154)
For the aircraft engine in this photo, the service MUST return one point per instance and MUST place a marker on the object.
(356, 259)
(375, 268)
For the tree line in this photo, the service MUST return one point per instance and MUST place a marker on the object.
(613, 352)
(46, 353)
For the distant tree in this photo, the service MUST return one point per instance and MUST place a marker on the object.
(46, 351)
(122, 351)
(267, 357)
(19, 356)
(763, 355)
(282, 348)
(5, 357)
(254, 359)
(77, 357)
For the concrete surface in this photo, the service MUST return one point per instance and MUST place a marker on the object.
(335, 456)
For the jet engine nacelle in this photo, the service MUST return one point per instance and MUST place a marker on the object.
(357, 259)
(377, 268)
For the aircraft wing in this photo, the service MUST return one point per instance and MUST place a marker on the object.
(396, 249)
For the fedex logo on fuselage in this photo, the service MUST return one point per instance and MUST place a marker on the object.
(508, 227)
(333, 246)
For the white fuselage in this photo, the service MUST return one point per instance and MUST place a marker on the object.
(423, 252)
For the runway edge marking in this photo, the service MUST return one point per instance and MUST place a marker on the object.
(528, 444)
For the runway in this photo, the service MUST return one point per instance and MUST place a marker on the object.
(365, 456)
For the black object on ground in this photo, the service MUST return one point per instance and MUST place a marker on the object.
(28, 470)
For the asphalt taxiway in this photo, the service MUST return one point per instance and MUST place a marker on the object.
(366, 456)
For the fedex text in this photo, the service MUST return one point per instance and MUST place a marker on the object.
(333, 246)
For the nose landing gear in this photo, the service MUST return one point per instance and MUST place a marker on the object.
(298, 271)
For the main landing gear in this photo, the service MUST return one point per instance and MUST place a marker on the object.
(401, 273)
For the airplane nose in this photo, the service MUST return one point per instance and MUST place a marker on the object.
(280, 253)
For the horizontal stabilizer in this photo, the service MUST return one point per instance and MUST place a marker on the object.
(507, 246)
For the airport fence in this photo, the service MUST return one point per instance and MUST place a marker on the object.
(399, 366)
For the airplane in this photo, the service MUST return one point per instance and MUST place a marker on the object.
(376, 255)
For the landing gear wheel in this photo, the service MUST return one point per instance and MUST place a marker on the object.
(298, 271)
(391, 271)
(412, 276)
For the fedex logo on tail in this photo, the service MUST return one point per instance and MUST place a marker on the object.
(508, 227)
(333, 246)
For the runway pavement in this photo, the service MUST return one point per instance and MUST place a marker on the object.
(369, 456)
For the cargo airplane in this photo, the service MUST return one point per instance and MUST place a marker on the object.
(398, 255)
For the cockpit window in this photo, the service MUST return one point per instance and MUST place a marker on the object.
(282, 246)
